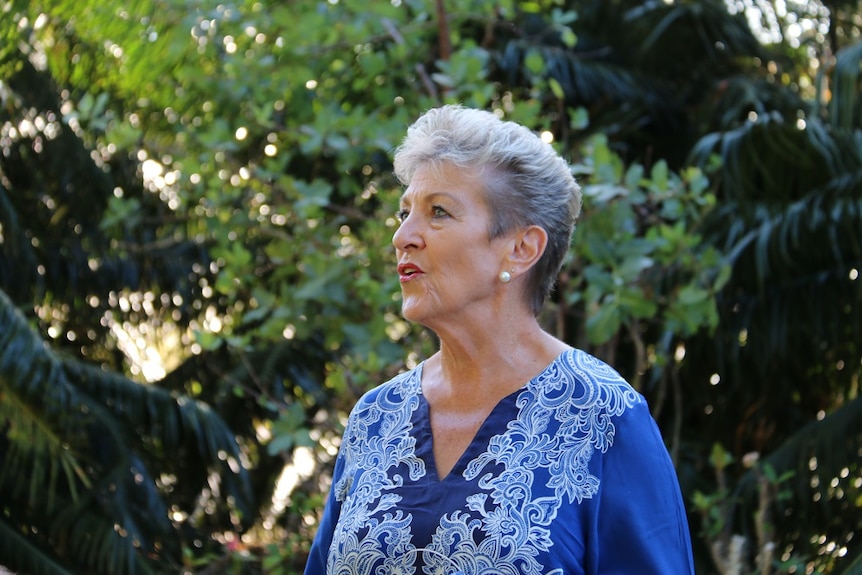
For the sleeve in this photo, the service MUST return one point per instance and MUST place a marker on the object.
(317, 556)
(641, 523)
(344, 466)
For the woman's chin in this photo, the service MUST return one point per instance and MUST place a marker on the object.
(410, 313)
(414, 313)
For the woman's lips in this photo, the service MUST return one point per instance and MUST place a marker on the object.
(408, 272)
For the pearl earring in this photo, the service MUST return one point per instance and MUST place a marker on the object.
(505, 276)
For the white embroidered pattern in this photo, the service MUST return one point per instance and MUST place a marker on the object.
(564, 416)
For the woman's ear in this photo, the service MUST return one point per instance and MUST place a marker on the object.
(528, 246)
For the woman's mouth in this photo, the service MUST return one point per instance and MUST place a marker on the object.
(407, 272)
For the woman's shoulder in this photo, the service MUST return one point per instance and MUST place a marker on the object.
(396, 390)
(589, 366)
(587, 381)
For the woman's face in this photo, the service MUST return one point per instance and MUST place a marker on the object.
(447, 265)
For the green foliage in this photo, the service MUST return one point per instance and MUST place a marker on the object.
(639, 256)
(213, 181)
(731, 550)
(68, 454)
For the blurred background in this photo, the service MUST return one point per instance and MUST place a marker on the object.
(197, 280)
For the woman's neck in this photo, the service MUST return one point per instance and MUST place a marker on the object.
(489, 363)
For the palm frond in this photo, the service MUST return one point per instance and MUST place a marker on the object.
(17, 550)
(17, 252)
(107, 544)
(736, 98)
(769, 159)
(704, 27)
(834, 442)
(822, 463)
(787, 256)
(45, 421)
(169, 418)
(845, 107)
(106, 506)
(173, 421)
(37, 408)
(854, 568)
(782, 238)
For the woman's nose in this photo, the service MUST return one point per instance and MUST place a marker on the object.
(407, 235)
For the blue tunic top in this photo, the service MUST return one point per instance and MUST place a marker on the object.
(567, 476)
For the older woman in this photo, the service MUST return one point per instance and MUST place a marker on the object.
(507, 451)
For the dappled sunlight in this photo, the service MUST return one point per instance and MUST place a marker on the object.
(158, 178)
(830, 547)
(199, 198)
(144, 359)
(766, 20)
(152, 348)
(301, 467)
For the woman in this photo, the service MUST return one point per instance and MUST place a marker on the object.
(507, 451)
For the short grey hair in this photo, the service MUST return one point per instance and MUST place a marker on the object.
(527, 182)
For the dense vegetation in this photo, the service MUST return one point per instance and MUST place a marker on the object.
(196, 275)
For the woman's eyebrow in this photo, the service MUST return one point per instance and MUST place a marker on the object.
(430, 196)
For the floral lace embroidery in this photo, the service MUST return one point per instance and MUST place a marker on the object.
(564, 416)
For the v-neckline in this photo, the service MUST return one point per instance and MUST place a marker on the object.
(470, 452)
(481, 434)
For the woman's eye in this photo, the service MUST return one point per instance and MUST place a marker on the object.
(436, 212)
(439, 212)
